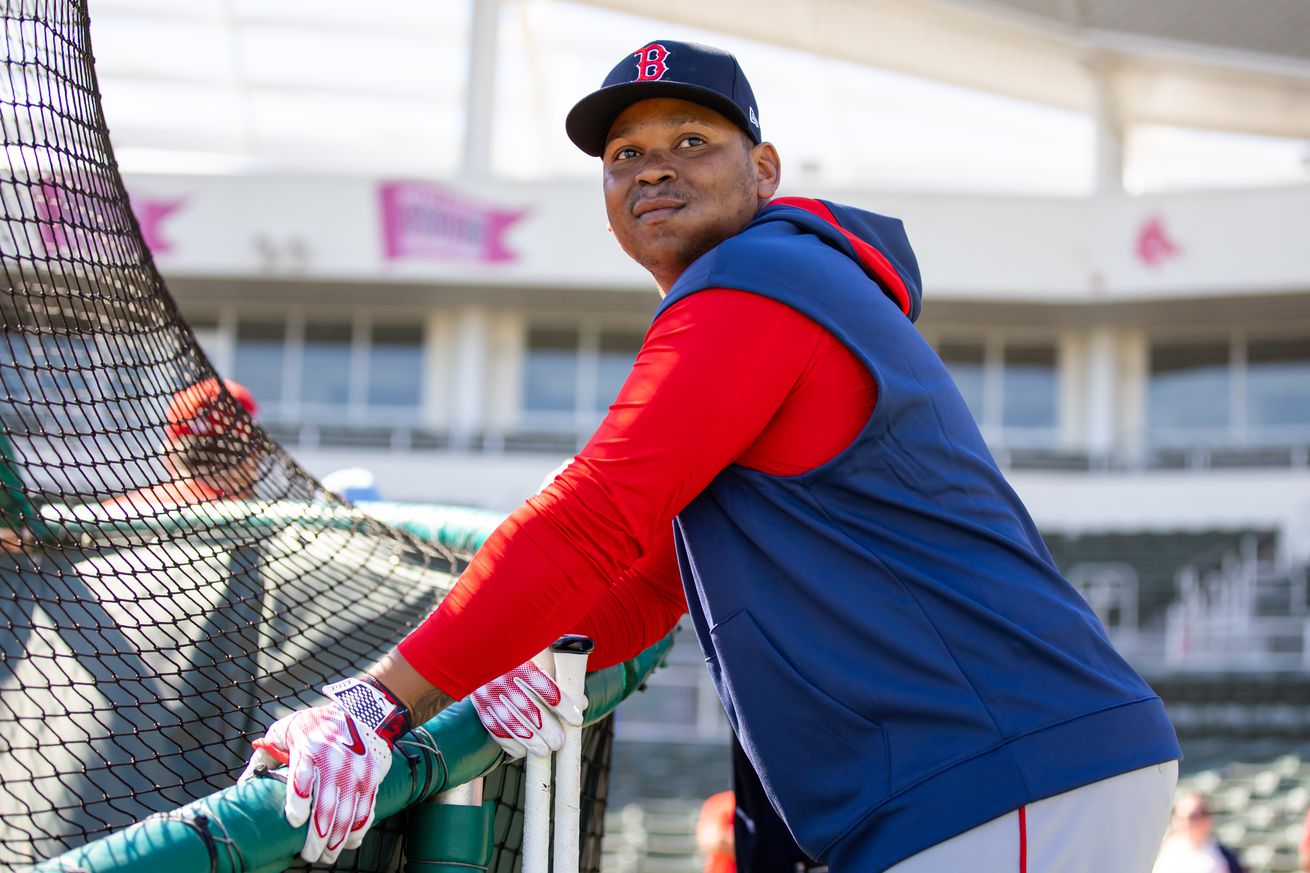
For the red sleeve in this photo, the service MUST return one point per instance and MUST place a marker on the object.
(639, 609)
(713, 371)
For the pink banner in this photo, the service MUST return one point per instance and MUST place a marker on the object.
(425, 221)
(74, 221)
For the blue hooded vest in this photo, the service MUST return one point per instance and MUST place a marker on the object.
(889, 636)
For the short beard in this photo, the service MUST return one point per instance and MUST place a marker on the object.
(693, 247)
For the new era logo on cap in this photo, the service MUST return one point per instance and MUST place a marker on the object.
(665, 68)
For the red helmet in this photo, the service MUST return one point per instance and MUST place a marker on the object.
(203, 410)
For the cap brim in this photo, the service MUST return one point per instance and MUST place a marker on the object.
(588, 122)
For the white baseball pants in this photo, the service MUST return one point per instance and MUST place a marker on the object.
(1112, 825)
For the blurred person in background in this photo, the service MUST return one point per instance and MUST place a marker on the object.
(1191, 846)
(15, 510)
(714, 837)
(352, 484)
(1303, 848)
(208, 449)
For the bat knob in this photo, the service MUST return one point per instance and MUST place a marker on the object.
(573, 644)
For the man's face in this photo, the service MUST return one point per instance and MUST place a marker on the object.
(680, 179)
(1192, 818)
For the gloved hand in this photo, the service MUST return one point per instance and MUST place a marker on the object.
(338, 754)
(521, 711)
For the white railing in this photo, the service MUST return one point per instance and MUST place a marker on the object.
(1242, 610)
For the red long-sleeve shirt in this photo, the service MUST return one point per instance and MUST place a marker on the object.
(722, 377)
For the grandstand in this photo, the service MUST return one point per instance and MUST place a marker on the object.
(407, 291)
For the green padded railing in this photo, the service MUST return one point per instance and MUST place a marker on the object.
(242, 829)
(459, 528)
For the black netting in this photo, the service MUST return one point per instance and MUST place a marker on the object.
(172, 581)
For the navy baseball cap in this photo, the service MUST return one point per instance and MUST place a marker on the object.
(665, 68)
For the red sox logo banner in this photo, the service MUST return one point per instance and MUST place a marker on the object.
(1154, 243)
(651, 62)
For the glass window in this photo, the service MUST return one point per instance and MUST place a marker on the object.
(964, 360)
(395, 365)
(550, 377)
(206, 330)
(1278, 382)
(260, 358)
(17, 368)
(325, 367)
(1189, 385)
(1029, 387)
(618, 349)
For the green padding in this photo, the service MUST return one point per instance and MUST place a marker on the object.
(241, 829)
(456, 527)
(16, 511)
(444, 836)
(460, 528)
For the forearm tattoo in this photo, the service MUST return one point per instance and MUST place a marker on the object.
(429, 704)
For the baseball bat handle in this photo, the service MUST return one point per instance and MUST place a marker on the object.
(571, 653)
(537, 789)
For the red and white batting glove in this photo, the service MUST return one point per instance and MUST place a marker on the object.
(521, 711)
(338, 754)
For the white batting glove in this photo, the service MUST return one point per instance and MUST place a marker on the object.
(521, 710)
(338, 754)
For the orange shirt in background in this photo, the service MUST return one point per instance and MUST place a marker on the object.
(714, 832)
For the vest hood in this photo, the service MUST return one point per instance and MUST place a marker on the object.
(876, 242)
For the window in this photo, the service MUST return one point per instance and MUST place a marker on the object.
(330, 369)
(1029, 389)
(618, 350)
(325, 364)
(550, 378)
(1278, 382)
(1243, 390)
(261, 358)
(964, 360)
(1189, 386)
(210, 338)
(1012, 388)
(572, 374)
(395, 366)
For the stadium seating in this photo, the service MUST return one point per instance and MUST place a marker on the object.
(1259, 804)
(653, 837)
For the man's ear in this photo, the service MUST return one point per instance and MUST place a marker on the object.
(768, 170)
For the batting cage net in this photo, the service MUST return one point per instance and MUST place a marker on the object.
(172, 582)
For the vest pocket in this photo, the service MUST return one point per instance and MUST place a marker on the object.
(823, 764)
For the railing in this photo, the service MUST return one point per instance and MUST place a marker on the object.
(242, 828)
(1240, 610)
(1293, 453)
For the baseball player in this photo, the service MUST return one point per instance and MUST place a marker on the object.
(916, 685)
(207, 449)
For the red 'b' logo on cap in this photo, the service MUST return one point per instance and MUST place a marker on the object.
(650, 62)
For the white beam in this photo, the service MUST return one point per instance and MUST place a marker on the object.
(479, 106)
(1109, 128)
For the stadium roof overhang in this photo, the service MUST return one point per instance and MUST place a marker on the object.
(1214, 64)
